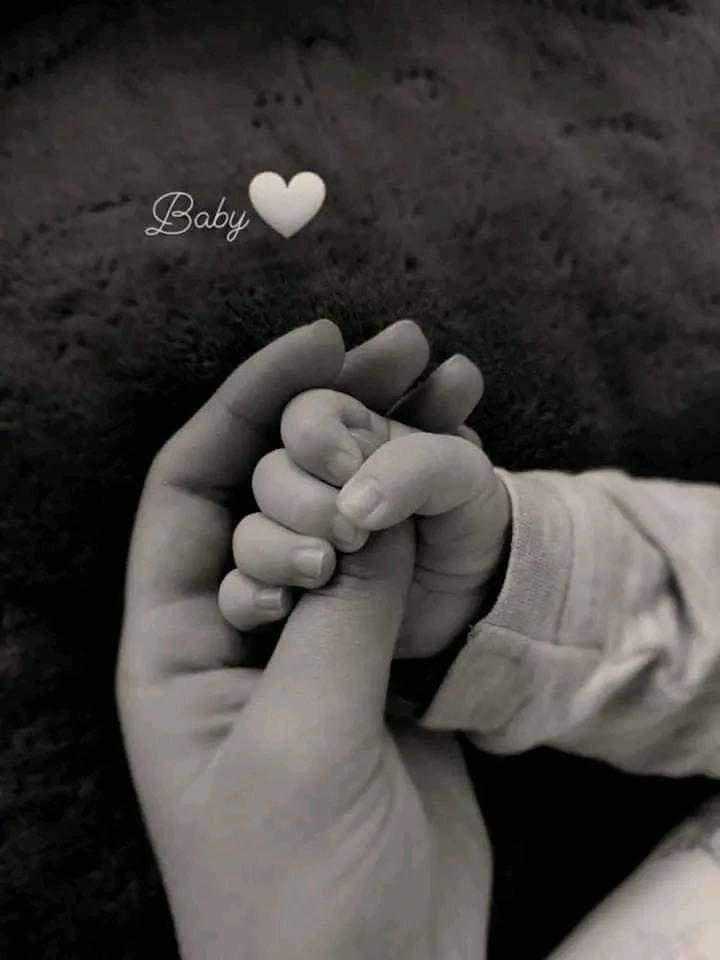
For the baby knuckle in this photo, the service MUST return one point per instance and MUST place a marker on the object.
(265, 468)
(303, 399)
(306, 512)
(247, 529)
(449, 447)
(305, 438)
(302, 408)
(457, 451)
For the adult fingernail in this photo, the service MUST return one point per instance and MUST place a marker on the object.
(342, 465)
(346, 535)
(359, 500)
(459, 360)
(461, 363)
(309, 561)
(270, 598)
(406, 322)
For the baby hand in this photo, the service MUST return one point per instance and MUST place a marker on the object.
(388, 472)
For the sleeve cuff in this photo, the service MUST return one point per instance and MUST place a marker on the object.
(500, 670)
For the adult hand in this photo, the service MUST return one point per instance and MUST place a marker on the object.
(286, 819)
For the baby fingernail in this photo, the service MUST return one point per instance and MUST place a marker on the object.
(342, 465)
(309, 561)
(360, 500)
(346, 534)
(270, 598)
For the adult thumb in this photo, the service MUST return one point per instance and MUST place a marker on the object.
(327, 678)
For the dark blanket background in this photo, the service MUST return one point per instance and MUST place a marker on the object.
(536, 183)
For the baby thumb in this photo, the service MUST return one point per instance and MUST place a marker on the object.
(328, 675)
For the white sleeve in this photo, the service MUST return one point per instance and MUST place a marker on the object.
(605, 637)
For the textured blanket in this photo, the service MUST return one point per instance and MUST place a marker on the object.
(536, 183)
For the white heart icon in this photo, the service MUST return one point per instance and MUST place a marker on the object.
(287, 207)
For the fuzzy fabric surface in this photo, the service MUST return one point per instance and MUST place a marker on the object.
(537, 183)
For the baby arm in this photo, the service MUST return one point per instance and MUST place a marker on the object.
(668, 909)
(604, 638)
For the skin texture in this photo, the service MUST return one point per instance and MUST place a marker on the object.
(699, 833)
(287, 819)
(331, 440)
(667, 909)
